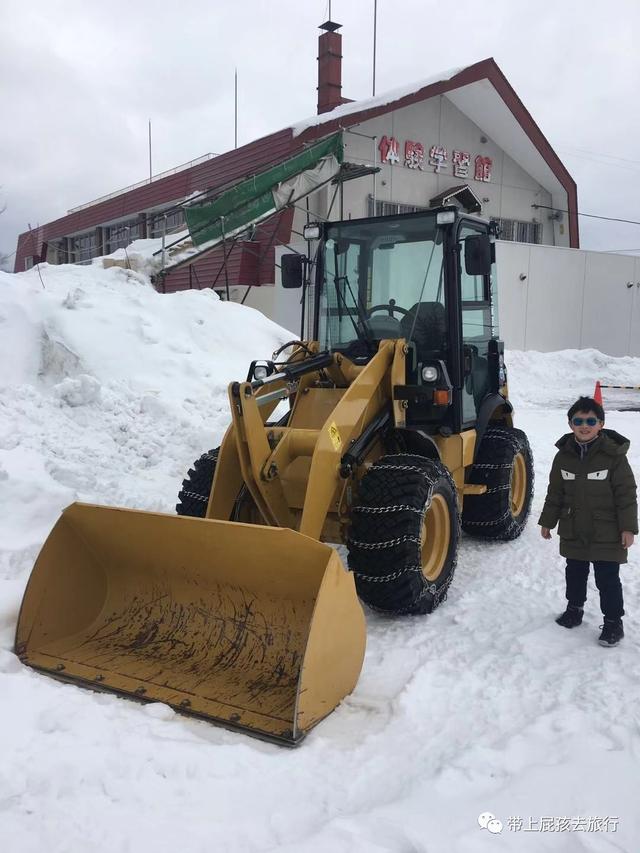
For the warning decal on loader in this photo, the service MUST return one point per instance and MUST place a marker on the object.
(334, 435)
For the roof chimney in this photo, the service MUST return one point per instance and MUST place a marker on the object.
(329, 68)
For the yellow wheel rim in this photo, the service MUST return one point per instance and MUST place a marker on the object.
(435, 536)
(518, 491)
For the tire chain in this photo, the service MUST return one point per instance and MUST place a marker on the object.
(493, 467)
(518, 447)
(438, 594)
(504, 434)
(382, 509)
(387, 543)
(390, 577)
(391, 543)
(195, 496)
(400, 468)
(490, 523)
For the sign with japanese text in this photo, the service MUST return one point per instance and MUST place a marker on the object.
(438, 160)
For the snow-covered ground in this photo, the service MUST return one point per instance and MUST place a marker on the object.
(108, 392)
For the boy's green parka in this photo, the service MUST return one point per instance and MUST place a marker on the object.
(592, 499)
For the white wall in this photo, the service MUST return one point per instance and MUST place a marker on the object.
(510, 194)
(552, 298)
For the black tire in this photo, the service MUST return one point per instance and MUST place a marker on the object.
(504, 458)
(400, 498)
(193, 497)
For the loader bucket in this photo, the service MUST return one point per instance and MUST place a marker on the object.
(257, 628)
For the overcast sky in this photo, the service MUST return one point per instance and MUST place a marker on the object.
(79, 82)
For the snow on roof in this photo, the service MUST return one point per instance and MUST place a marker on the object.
(378, 101)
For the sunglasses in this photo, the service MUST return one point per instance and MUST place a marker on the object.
(588, 421)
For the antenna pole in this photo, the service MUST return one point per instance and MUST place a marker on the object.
(236, 111)
(150, 170)
(375, 21)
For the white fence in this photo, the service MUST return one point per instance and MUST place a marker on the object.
(554, 298)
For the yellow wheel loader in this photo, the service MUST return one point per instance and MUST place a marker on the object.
(397, 432)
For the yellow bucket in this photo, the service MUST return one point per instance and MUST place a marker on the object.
(257, 628)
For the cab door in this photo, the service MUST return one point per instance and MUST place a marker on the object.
(477, 331)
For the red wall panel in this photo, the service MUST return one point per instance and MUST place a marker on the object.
(213, 174)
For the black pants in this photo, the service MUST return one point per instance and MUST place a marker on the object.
(608, 583)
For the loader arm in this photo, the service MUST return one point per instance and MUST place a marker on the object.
(361, 402)
(264, 458)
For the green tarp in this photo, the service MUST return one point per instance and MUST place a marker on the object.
(256, 198)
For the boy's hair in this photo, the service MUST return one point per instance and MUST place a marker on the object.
(586, 404)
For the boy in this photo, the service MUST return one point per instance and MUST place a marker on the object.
(592, 494)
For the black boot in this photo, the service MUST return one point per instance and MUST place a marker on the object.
(572, 617)
(612, 632)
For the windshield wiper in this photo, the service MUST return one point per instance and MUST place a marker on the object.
(362, 316)
(340, 296)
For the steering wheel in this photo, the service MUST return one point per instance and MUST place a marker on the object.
(390, 307)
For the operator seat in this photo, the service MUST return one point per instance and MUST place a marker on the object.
(430, 331)
(383, 327)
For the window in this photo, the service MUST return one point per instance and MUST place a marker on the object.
(122, 234)
(174, 222)
(519, 232)
(390, 208)
(384, 280)
(83, 248)
(55, 252)
(28, 262)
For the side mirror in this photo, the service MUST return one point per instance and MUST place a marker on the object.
(292, 270)
(477, 255)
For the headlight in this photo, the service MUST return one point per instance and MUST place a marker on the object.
(430, 373)
(260, 371)
(445, 217)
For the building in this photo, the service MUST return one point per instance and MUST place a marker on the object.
(464, 135)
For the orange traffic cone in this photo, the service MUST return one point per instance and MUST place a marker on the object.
(597, 394)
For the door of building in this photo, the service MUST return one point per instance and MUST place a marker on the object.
(608, 303)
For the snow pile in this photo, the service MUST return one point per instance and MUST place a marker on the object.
(145, 255)
(108, 392)
(557, 379)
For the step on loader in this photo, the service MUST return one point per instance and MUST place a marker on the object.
(387, 433)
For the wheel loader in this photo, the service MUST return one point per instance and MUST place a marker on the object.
(386, 434)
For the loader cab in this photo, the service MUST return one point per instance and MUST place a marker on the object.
(427, 278)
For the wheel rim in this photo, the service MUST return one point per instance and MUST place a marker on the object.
(435, 535)
(518, 485)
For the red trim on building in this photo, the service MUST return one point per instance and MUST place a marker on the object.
(209, 272)
(238, 264)
(214, 174)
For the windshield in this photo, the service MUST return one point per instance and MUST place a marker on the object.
(383, 279)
